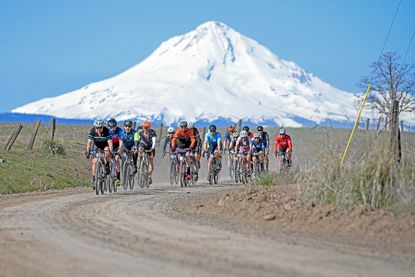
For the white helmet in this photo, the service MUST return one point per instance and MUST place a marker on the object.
(244, 134)
(190, 124)
(170, 130)
(282, 131)
(99, 122)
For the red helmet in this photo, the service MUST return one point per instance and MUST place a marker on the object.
(231, 129)
(146, 124)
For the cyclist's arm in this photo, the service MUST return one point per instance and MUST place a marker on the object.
(290, 145)
(110, 145)
(88, 145)
(120, 147)
(153, 143)
(163, 149)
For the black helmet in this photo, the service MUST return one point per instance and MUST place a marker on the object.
(128, 123)
(212, 128)
(112, 123)
(260, 128)
(183, 123)
(245, 128)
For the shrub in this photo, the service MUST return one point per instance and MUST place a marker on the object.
(53, 147)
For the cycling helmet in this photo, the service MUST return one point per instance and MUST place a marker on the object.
(128, 123)
(170, 130)
(212, 128)
(183, 123)
(146, 124)
(245, 128)
(244, 134)
(282, 131)
(235, 134)
(260, 128)
(99, 122)
(190, 125)
(112, 123)
(231, 129)
(257, 135)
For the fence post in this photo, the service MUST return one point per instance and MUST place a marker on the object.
(394, 132)
(367, 124)
(134, 125)
(34, 134)
(13, 137)
(204, 133)
(52, 128)
(239, 125)
(160, 132)
(379, 121)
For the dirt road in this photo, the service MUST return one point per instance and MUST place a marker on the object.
(75, 233)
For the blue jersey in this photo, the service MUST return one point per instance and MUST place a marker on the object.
(258, 146)
(213, 140)
(127, 139)
(115, 136)
(228, 136)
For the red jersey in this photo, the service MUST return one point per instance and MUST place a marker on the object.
(282, 143)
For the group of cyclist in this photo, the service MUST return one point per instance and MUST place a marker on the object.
(186, 140)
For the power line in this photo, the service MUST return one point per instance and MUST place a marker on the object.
(409, 47)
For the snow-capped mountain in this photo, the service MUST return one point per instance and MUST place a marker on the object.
(210, 73)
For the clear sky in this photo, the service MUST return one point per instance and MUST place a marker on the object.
(51, 47)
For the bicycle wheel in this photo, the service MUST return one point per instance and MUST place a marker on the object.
(215, 177)
(125, 176)
(98, 176)
(173, 172)
(192, 172)
(109, 183)
(236, 171)
(182, 174)
(143, 174)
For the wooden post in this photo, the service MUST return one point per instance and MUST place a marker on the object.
(13, 137)
(34, 134)
(379, 121)
(367, 124)
(134, 125)
(203, 133)
(394, 132)
(52, 128)
(239, 125)
(160, 132)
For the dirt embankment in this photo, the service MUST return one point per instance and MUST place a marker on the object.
(276, 209)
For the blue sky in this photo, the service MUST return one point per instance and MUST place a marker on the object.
(51, 47)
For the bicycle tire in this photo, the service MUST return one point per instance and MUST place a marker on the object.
(173, 172)
(98, 167)
(125, 176)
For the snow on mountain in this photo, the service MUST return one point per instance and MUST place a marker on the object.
(210, 73)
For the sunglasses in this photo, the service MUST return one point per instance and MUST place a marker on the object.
(98, 127)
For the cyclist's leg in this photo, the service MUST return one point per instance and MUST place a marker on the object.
(248, 159)
(151, 160)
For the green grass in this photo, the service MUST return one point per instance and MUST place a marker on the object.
(39, 170)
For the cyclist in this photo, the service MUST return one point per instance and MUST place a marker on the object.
(244, 147)
(212, 146)
(228, 137)
(250, 134)
(232, 151)
(265, 139)
(146, 142)
(99, 137)
(198, 148)
(283, 144)
(184, 139)
(127, 141)
(168, 141)
(258, 149)
(115, 133)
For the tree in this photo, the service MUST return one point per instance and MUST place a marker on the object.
(392, 80)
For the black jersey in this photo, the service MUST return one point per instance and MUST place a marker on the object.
(100, 141)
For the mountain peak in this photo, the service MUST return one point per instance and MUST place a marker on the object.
(210, 73)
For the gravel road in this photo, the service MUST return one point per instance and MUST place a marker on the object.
(75, 233)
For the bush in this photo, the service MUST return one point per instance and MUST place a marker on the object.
(50, 146)
(370, 178)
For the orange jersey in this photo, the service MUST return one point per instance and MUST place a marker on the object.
(184, 139)
(282, 143)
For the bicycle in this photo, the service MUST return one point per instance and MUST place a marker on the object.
(143, 169)
(128, 169)
(192, 168)
(174, 174)
(285, 163)
(244, 176)
(103, 181)
(182, 169)
(258, 167)
(215, 168)
(237, 169)
(231, 163)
